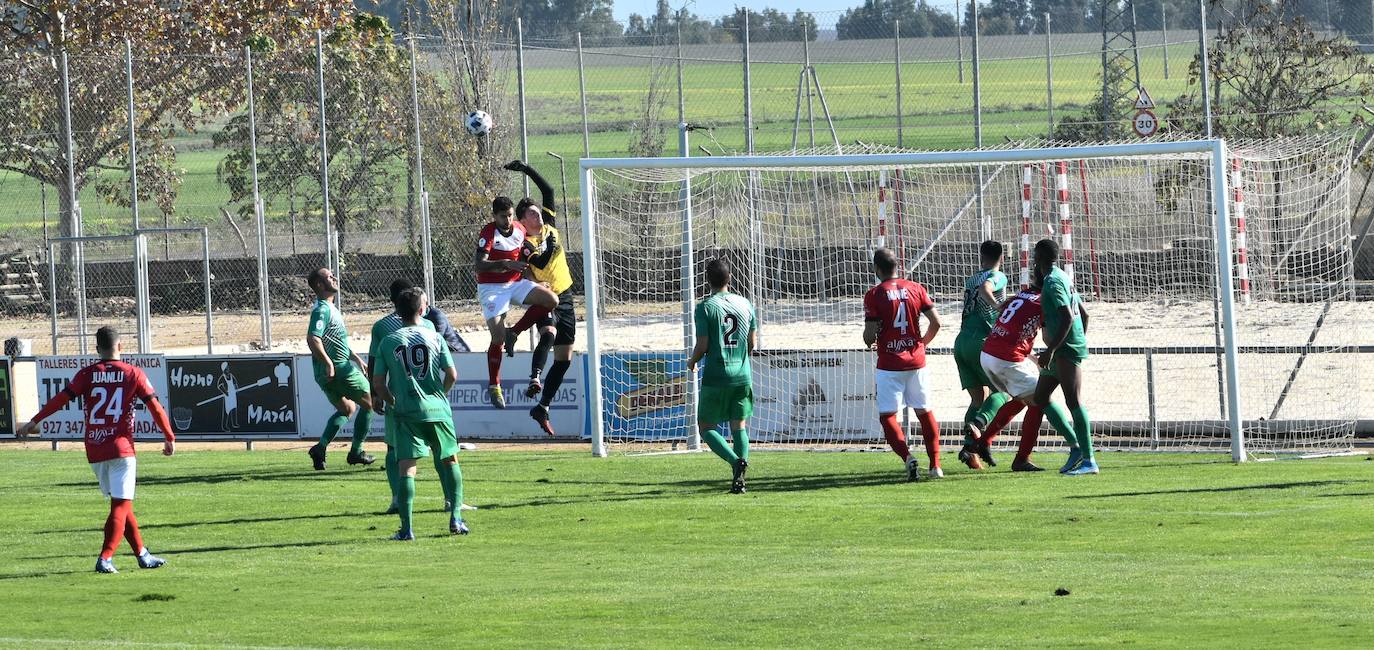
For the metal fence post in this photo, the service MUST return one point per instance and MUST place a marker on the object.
(74, 205)
(1164, 27)
(331, 258)
(808, 74)
(520, 92)
(959, 38)
(1049, 75)
(259, 210)
(681, 100)
(142, 288)
(582, 92)
(1206, 76)
(984, 223)
(421, 196)
(748, 91)
(897, 66)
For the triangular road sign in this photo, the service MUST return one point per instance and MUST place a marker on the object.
(1144, 102)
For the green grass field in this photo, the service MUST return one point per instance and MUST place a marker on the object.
(826, 550)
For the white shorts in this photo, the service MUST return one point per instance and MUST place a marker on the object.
(899, 388)
(116, 477)
(496, 299)
(1015, 378)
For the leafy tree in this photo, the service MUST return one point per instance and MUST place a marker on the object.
(1099, 120)
(1277, 76)
(768, 25)
(874, 19)
(367, 109)
(181, 81)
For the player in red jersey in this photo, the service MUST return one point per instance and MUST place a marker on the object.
(499, 263)
(891, 322)
(1007, 361)
(107, 390)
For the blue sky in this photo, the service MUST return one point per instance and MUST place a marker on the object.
(623, 8)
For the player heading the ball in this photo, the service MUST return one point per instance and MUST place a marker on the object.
(892, 324)
(343, 382)
(107, 390)
(727, 333)
(499, 264)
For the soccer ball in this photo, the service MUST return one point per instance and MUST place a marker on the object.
(478, 123)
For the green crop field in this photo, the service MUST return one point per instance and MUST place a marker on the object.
(826, 550)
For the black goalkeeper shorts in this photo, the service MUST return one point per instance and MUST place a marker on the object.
(563, 319)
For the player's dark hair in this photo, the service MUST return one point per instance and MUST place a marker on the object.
(398, 285)
(1047, 249)
(991, 251)
(525, 204)
(314, 278)
(884, 261)
(718, 273)
(409, 302)
(501, 204)
(106, 338)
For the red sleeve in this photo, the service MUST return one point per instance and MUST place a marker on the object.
(160, 417)
(75, 387)
(486, 237)
(872, 305)
(924, 297)
(142, 388)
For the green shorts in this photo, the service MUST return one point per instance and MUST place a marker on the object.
(348, 382)
(968, 357)
(417, 439)
(389, 427)
(716, 404)
(1072, 355)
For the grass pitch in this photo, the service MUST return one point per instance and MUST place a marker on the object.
(826, 550)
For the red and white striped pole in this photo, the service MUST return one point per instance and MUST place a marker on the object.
(1061, 185)
(1238, 211)
(882, 209)
(1026, 177)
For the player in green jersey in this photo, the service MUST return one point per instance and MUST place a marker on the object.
(343, 383)
(983, 295)
(380, 329)
(727, 333)
(1066, 348)
(413, 375)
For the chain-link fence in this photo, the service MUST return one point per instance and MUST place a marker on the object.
(352, 153)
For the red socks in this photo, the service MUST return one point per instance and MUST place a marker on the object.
(494, 362)
(930, 433)
(895, 438)
(1002, 419)
(131, 529)
(120, 511)
(532, 315)
(1030, 433)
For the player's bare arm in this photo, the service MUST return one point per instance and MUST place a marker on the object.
(753, 341)
(985, 293)
(450, 378)
(933, 318)
(1083, 314)
(316, 345)
(698, 352)
(870, 333)
(483, 265)
(379, 386)
(1065, 313)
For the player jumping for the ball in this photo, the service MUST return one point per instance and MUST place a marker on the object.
(413, 375)
(1066, 348)
(1006, 360)
(891, 322)
(343, 383)
(500, 247)
(726, 334)
(107, 390)
(549, 267)
(983, 295)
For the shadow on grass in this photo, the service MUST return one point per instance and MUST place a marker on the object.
(303, 474)
(172, 552)
(40, 574)
(1236, 488)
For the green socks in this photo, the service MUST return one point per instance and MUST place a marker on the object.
(331, 427)
(717, 444)
(361, 427)
(453, 488)
(406, 498)
(1059, 419)
(741, 439)
(989, 409)
(393, 474)
(1083, 430)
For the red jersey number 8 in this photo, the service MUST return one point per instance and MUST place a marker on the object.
(1010, 311)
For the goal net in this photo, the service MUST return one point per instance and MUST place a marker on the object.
(1197, 333)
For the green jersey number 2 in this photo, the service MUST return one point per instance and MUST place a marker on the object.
(731, 325)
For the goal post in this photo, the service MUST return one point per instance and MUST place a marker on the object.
(1165, 312)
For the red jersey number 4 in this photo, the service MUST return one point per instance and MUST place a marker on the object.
(896, 304)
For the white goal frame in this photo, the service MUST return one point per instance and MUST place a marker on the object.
(1216, 149)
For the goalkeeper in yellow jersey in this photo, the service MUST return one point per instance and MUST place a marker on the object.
(548, 265)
